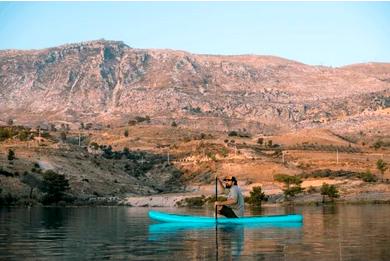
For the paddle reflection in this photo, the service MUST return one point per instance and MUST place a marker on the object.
(229, 238)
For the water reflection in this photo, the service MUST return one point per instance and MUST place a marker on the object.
(341, 232)
(229, 238)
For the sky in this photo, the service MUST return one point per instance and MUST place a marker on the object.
(316, 33)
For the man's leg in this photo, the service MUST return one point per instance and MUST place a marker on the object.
(227, 212)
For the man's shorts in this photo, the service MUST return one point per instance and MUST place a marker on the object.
(227, 212)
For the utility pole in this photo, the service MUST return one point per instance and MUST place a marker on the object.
(168, 156)
(337, 156)
(79, 139)
(283, 156)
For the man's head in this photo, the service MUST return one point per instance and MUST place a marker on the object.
(230, 181)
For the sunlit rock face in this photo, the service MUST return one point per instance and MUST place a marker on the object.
(108, 81)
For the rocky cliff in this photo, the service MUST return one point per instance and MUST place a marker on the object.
(108, 81)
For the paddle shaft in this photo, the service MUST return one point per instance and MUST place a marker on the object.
(216, 199)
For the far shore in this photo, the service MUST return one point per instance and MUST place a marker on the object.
(351, 191)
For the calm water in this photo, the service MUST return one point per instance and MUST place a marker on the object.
(123, 233)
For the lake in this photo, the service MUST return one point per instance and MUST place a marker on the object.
(340, 232)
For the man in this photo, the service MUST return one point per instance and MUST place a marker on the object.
(233, 207)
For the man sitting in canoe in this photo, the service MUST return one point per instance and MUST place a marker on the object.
(233, 207)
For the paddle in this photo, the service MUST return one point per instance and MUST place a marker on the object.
(216, 218)
(216, 199)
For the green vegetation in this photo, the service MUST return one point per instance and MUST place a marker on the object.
(224, 152)
(11, 155)
(63, 136)
(32, 180)
(21, 132)
(192, 202)
(256, 196)
(381, 165)
(327, 173)
(55, 186)
(368, 176)
(329, 191)
(292, 185)
(140, 119)
(232, 133)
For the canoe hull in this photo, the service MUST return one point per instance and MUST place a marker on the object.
(166, 217)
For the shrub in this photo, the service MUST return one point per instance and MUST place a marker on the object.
(174, 124)
(368, 176)
(288, 180)
(94, 145)
(377, 144)
(260, 141)
(232, 133)
(192, 202)
(126, 133)
(256, 196)
(11, 155)
(329, 191)
(224, 152)
(292, 191)
(381, 165)
(63, 136)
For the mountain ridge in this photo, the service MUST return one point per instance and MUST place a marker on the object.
(115, 82)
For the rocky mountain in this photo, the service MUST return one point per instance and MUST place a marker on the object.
(108, 81)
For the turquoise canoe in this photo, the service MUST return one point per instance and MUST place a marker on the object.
(166, 217)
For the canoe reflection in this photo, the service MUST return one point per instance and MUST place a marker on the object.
(229, 238)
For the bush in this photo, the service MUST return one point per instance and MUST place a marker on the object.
(288, 180)
(381, 165)
(232, 133)
(292, 191)
(329, 191)
(94, 145)
(11, 155)
(192, 202)
(126, 133)
(224, 152)
(256, 196)
(368, 176)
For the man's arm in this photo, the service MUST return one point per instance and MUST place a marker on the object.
(230, 201)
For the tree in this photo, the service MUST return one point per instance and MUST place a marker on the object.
(289, 191)
(330, 191)
(260, 141)
(55, 186)
(256, 196)
(174, 124)
(126, 133)
(32, 180)
(381, 165)
(11, 155)
(63, 136)
(270, 143)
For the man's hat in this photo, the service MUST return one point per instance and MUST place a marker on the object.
(232, 178)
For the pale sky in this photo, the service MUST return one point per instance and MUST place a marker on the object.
(317, 33)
